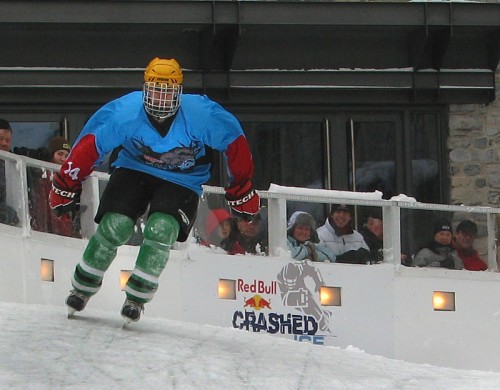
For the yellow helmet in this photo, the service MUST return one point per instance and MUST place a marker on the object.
(163, 71)
(162, 89)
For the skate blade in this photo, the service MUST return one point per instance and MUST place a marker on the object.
(71, 312)
(127, 321)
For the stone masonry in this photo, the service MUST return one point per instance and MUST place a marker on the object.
(474, 158)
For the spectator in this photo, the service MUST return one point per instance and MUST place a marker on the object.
(439, 253)
(5, 135)
(8, 215)
(303, 240)
(373, 234)
(58, 150)
(463, 243)
(338, 235)
(220, 229)
(252, 235)
(42, 217)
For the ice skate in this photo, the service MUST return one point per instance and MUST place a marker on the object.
(76, 301)
(131, 311)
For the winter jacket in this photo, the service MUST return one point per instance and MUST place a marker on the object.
(347, 248)
(309, 250)
(437, 255)
(375, 244)
(471, 259)
(230, 244)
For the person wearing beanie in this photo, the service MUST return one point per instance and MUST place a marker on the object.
(58, 149)
(338, 235)
(439, 253)
(463, 243)
(303, 241)
(220, 231)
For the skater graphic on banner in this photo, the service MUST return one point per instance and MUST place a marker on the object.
(293, 281)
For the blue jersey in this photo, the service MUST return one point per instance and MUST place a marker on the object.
(181, 156)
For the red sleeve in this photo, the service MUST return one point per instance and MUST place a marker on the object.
(240, 162)
(81, 160)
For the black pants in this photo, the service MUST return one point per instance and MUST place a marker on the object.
(130, 193)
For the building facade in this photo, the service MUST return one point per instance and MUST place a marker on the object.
(390, 96)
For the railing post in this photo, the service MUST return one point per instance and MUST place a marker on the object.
(492, 246)
(89, 203)
(277, 226)
(392, 234)
(17, 183)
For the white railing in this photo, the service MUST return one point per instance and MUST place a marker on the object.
(276, 197)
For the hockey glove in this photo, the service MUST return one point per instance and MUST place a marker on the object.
(64, 197)
(243, 201)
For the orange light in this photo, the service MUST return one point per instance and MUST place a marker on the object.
(330, 296)
(443, 301)
(124, 276)
(47, 270)
(227, 289)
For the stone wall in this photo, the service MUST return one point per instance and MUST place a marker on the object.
(474, 147)
(474, 157)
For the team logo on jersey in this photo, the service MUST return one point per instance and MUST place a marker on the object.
(182, 158)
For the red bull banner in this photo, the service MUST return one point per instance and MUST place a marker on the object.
(288, 305)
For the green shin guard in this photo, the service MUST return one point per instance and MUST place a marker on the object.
(113, 231)
(160, 233)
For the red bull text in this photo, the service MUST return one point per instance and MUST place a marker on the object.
(257, 287)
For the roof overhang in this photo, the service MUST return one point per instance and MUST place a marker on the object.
(254, 51)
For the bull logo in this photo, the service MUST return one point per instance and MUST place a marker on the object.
(257, 302)
(181, 158)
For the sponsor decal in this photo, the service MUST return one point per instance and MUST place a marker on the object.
(257, 303)
(296, 288)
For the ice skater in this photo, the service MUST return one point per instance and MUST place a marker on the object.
(166, 140)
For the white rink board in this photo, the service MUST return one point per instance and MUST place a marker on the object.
(386, 309)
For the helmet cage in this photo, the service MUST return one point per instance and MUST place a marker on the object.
(161, 100)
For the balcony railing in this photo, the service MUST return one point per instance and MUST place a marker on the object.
(405, 221)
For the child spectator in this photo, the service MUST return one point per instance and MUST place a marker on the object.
(439, 253)
(338, 235)
(303, 240)
(463, 243)
(58, 150)
(220, 230)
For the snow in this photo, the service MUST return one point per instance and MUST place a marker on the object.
(42, 349)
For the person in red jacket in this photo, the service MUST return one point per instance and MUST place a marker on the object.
(221, 230)
(463, 242)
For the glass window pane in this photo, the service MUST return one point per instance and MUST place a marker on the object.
(374, 156)
(424, 149)
(33, 134)
(288, 154)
